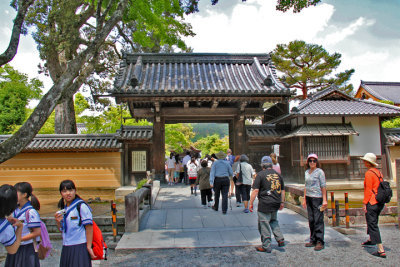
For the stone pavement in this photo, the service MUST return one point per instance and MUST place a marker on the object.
(179, 221)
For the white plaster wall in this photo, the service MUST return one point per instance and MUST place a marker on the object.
(369, 138)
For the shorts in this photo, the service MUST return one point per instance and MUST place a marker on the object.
(192, 180)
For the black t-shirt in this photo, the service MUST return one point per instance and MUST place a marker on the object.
(270, 185)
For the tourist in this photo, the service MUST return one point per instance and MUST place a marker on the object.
(185, 161)
(177, 168)
(269, 188)
(203, 180)
(275, 163)
(244, 186)
(171, 168)
(192, 168)
(8, 203)
(229, 157)
(77, 237)
(371, 207)
(28, 205)
(234, 183)
(220, 175)
(315, 201)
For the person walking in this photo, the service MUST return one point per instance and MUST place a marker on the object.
(234, 183)
(203, 180)
(185, 161)
(229, 157)
(178, 165)
(171, 168)
(9, 237)
(315, 201)
(28, 205)
(192, 168)
(269, 188)
(220, 174)
(244, 186)
(371, 207)
(275, 163)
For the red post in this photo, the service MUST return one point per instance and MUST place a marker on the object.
(114, 220)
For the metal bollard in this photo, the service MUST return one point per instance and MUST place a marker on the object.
(333, 209)
(337, 213)
(114, 220)
(346, 209)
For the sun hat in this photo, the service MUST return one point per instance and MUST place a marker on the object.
(221, 155)
(371, 158)
(266, 160)
(313, 155)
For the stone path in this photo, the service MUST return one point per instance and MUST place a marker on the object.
(179, 221)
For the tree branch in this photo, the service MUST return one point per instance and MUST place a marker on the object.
(12, 48)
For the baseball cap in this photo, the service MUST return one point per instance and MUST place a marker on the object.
(266, 160)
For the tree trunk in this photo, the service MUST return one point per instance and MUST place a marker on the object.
(65, 122)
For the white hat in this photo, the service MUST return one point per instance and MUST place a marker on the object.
(371, 158)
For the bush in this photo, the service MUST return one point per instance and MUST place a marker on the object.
(141, 183)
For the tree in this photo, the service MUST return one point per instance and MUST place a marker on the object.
(16, 90)
(297, 5)
(309, 67)
(177, 137)
(22, 8)
(72, 45)
(212, 144)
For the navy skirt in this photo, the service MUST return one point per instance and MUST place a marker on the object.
(25, 256)
(75, 256)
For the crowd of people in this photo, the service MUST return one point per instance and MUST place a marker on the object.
(226, 175)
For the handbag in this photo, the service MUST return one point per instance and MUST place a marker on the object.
(239, 179)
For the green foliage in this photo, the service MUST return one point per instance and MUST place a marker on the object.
(15, 92)
(386, 102)
(298, 5)
(81, 104)
(177, 137)
(309, 67)
(141, 183)
(212, 144)
(392, 123)
(203, 130)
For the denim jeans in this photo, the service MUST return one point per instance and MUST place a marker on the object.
(268, 222)
(221, 185)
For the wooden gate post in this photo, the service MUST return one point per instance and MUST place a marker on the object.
(398, 186)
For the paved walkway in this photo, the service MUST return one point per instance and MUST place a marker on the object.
(179, 221)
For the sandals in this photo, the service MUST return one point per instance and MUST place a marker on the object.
(379, 254)
(367, 243)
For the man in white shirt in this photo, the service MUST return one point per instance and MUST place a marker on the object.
(185, 160)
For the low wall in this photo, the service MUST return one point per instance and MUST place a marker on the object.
(294, 198)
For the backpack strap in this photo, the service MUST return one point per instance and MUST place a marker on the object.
(380, 178)
(78, 207)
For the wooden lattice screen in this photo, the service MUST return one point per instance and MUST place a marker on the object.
(327, 148)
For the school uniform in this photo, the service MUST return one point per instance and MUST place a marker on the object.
(26, 255)
(74, 251)
(7, 233)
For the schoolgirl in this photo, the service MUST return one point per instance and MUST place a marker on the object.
(27, 213)
(76, 227)
(8, 203)
(192, 167)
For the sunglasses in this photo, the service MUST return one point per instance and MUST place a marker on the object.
(312, 161)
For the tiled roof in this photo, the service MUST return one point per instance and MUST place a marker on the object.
(135, 132)
(70, 142)
(392, 136)
(322, 130)
(188, 74)
(265, 130)
(383, 90)
(86, 142)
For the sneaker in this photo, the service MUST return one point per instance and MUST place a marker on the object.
(209, 204)
(224, 212)
(281, 243)
(238, 204)
(319, 246)
(246, 210)
(367, 243)
(309, 245)
(379, 254)
(204, 206)
(214, 208)
(261, 249)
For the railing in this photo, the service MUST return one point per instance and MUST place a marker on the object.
(136, 205)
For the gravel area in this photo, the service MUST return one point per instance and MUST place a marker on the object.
(334, 254)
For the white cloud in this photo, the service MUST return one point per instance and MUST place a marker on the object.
(255, 26)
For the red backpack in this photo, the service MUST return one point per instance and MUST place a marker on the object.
(98, 245)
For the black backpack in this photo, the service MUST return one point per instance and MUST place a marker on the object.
(384, 193)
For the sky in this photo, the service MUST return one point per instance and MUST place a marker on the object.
(365, 32)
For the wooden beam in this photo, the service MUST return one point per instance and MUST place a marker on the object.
(186, 104)
(214, 104)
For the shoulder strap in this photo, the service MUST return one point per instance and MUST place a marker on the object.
(78, 207)
(379, 179)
